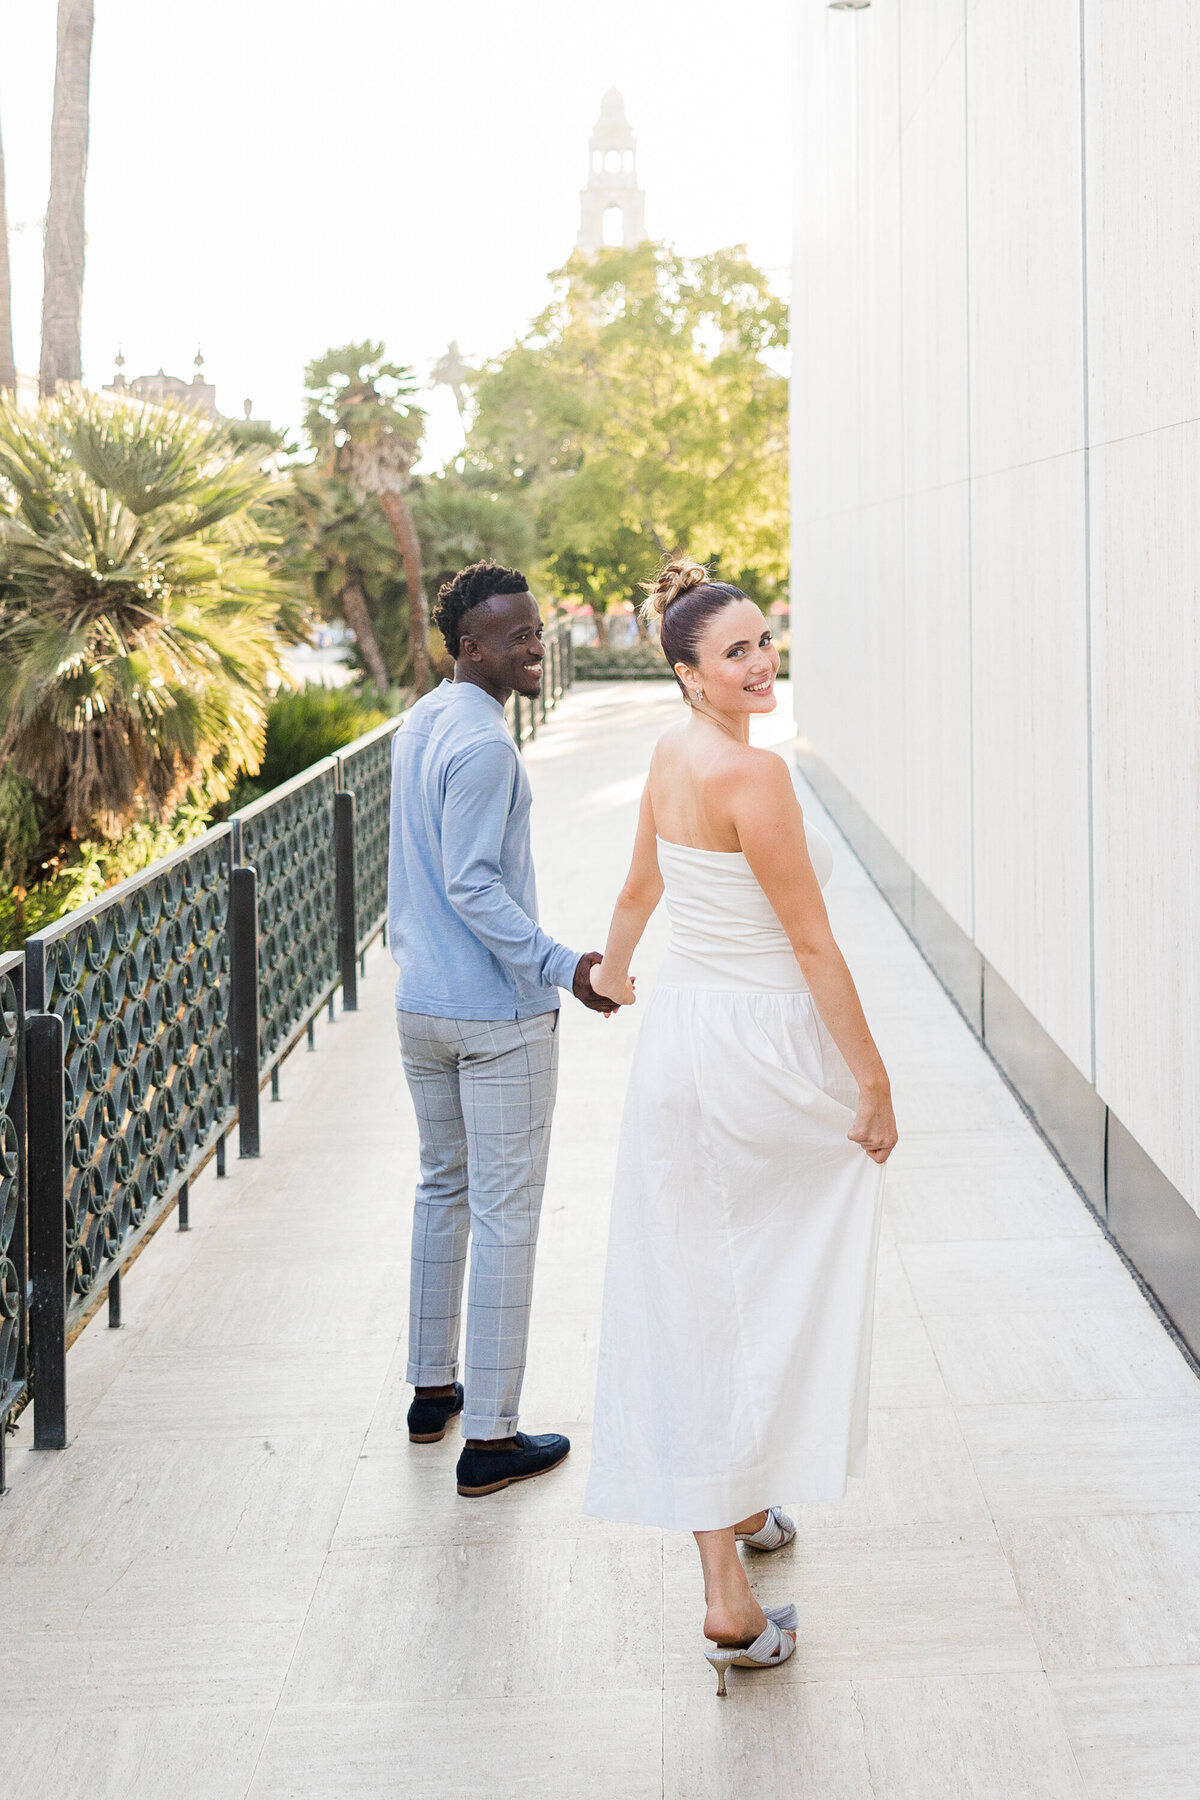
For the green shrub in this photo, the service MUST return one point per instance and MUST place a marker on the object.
(303, 725)
(93, 865)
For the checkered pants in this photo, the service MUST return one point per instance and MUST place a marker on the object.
(484, 1097)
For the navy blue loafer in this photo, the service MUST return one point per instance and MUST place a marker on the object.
(428, 1417)
(487, 1471)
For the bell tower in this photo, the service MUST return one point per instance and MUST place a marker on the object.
(612, 207)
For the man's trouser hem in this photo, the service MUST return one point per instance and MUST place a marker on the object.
(421, 1377)
(487, 1430)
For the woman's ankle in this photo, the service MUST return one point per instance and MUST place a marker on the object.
(734, 1620)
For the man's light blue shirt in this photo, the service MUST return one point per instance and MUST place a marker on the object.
(462, 903)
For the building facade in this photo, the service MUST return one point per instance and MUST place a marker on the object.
(996, 626)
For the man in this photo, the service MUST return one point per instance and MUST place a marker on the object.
(477, 1005)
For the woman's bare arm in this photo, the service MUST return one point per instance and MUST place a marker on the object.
(770, 828)
(638, 898)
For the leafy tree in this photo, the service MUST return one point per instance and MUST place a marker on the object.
(343, 551)
(366, 427)
(460, 522)
(140, 620)
(640, 415)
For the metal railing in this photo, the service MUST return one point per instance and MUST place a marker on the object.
(130, 1086)
(363, 806)
(134, 1030)
(14, 1288)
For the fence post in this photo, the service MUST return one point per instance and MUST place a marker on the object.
(243, 1004)
(47, 1228)
(347, 897)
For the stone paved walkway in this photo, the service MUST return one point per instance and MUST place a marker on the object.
(240, 1579)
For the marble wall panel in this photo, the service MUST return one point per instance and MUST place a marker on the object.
(1025, 232)
(929, 33)
(872, 679)
(1030, 733)
(934, 281)
(881, 339)
(937, 695)
(1143, 208)
(1146, 659)
(824, 352)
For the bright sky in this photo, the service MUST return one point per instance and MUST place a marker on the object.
(270, 177)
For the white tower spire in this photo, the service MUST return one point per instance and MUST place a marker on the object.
(612, 207)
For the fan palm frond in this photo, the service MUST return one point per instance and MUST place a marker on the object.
(139, 609)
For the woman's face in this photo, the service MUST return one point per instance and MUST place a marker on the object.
(737, 662)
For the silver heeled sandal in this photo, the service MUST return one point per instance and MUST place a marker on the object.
(773, 1535)
(772, 1646)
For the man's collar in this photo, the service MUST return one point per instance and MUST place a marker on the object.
(474, 688)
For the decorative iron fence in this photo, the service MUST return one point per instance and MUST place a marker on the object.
(364, 806)
(287, 839)
(130, 1069)
(134, 1030)
(14, 1294)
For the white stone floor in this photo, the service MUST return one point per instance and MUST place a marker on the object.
(240, 1579)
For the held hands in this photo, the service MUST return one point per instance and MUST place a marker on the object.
(620, 993)
(874, 1124)
(585, 992)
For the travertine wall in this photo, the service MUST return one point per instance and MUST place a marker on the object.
(996, 435)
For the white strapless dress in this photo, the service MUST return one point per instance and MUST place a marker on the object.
(738, 1298)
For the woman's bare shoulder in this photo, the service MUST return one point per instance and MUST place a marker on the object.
(667, 748)
(747, 767)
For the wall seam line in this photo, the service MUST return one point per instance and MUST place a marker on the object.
(1087, 537)
(970, 494)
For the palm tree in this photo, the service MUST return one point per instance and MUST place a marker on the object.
(8, 369)
(343, 553)
(139, 617)
(365, 425)
(62, 291)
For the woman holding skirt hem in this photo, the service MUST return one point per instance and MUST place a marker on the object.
(735, 1345)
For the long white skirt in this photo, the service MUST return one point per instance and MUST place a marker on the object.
(738, 1298)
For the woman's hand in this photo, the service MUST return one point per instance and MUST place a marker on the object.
(621, 993)
(874, 1124)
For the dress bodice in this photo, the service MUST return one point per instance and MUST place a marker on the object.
(724, 931)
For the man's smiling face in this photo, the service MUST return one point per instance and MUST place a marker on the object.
(500, 645)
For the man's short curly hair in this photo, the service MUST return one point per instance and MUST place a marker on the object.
(470, 588)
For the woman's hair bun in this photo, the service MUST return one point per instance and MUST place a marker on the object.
(678, 576)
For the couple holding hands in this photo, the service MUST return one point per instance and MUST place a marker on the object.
(738, 1298)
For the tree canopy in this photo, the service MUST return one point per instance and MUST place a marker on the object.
(139, 612)
(641, 414)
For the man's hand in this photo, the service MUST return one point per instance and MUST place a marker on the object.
(621, 993)
(584, 992)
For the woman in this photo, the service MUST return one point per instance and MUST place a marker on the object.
(735, 1347)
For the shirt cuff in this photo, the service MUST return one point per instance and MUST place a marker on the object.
(562, 966)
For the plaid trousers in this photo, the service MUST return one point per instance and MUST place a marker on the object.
(484, 1097)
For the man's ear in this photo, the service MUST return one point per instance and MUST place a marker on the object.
(468, 649)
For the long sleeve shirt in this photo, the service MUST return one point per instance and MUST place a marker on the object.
(462, 902)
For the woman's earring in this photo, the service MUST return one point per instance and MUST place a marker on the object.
(699, 693)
